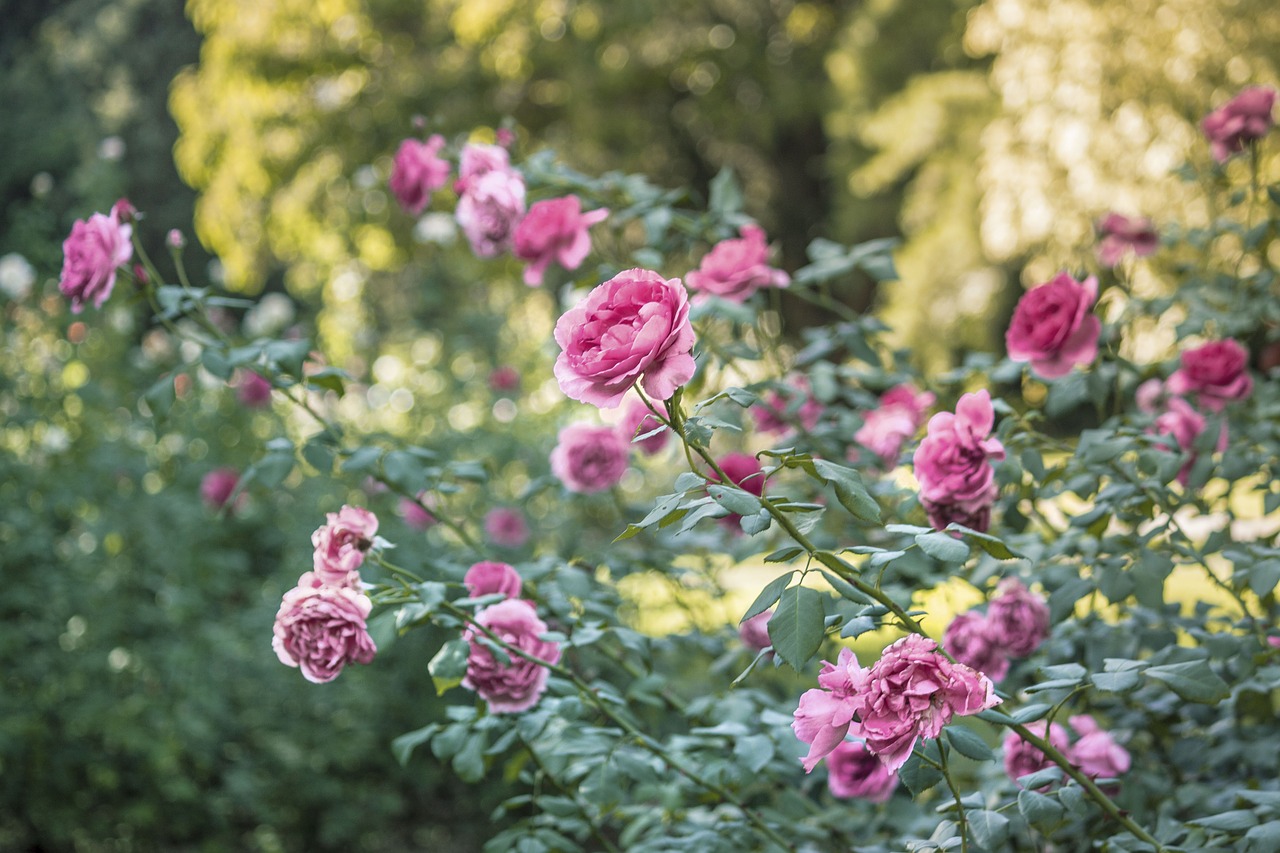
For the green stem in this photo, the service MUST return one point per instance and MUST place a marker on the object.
(962, 823)
(572, 795)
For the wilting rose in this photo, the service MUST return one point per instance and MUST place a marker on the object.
(885, 429)
(971, 641)
(735, 269)
(853, 772)
(90, 257)
(1052, 326)
(506, 527)
(779, 409)
(218, 485)
(252, 389)
(952, 463)
(1096, 753)
(487, 577)
(589, 458)
(1239, 121)
(1181, 422)
(754, 632)
(489, 210)
(321, 629)
(634, 325)
(1023, 759)
(417, 171)
(341, 544)
(554, 230)
(637, 420)
(514, 687)
(1217, 373)
(1121, 234)
(1019, 618)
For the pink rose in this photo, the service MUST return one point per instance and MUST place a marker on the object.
(1239, 121)
(853, 772)
(174, 239)
(1019, 618)
(218, 485)
(417, 172)
(514, 687)
(1184, 425)
(1121, 234)
(1096, 753)
(1217, 373)
(252, 389)
(506, 527)
(824, 714)
(885, 429)
(745, 472)
(504, 379)
(589, 458)
(1052, 327)
(754, 632)
(489, 210)
(779, 410)
(90, 257)
(554, 230)
(479, 159)
(1023, 759)
(1149, 395)
(972, 642)
(321, 629)
(486, 577)
(635, 324)
(952, 462)
(416, 512)
(637, 420)
(341, 543)
(735, 269)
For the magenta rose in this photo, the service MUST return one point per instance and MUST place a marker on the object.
(323, 628)
(854, 773)
(340, 545)
(417, 171)
(488, 577)
(754, 632)
(1217, 373)
(489, 210)
(1052, 326)
(90, 257)
(952, 463)
(509, 688)
(589, 458)
(1121, 234)
(554, 230)
(634, 325)
(1239, 121)
(218, 485)
(1181, 422)
(779, 410)
(885, 429)
(1095, 752)
(253, 390)
(971, 641)
(1023, 759)
(735, 269)
(1019, 618)
(506, 527)
(824, 714)
(637, 420)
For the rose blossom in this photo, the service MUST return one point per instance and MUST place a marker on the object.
(486, 577)
(735, 269)
(554, 230)
(1019, 618)
(635, 324)
(637, 420)
(513, 687)
(1021, 758)
(321, 629)
(413, 512)
(853, 772)
(589, 458)
(1239, 121)
(489, 210)
(824, 714)
(971, 641)
(218, 485)
(1149, 395)
(417, 172)
(1121, 234)
(1052, 327)
(885, 429)
(952, 463)
(778, 408)
(744, 471)
(506, 527)
(754, 632)
(341, 543)
(1184, 425)
(479, 159)
(1096, 753)
(90, 257)
(252, 389)
(1217, 373)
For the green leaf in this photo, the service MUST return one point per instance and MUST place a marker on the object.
(160, 397)
(1040, 778)
(989, 829)
(850, 490)
(918, 776)
(726, 194)
(1042, 812)
(1265, 837)
(757, 523)
(796, 627)
(468, 763)
(943, 546)
(968, 743)
(768, 596)
(783, 555)
(216, 363)
(1191, 680)
(329, 379)
(847, 590)
(449, 665)
(272, 469)
(991, 544)
(318, 456)
(857, 626)
(1115, 682)
(289, 355)
(755, 751)
(1232, 821)
(403, 746)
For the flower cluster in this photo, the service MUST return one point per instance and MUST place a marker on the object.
(953, 464)
(1014, 626)
(1095, 752)
(888, 426)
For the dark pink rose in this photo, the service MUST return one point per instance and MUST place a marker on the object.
(506, 527)
(90, 257)
(1018, 617)
(780, 410)
(854, 773)
(1239, 121)
(124, 211)
(417, 171)
(1217, 373)
(952, 462)
(1023, 759)
(912, 692)
(885, 429)
(487, 577)
(1052, 326)
(745, 472)
(514, 687)
(322, 629)
(252, 389)
(589, 458)
(218, 485)
(634, 325)
(489, 210)
(824, 714)
(972, 642)
(1120, 234)
(554, 230)
(754, 632)
(504, 379)
(417, 512)
(341, 543)
(1095, 752)
(1181, 422)
(735, 269)
(637, 420)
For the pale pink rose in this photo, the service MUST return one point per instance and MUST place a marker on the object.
(1052, 326)
(504, 379)
(341, 544)
(514, 687)
(824, 714)
(414, 513)
(1121, 234)
(417, 171)
(637, 420)
(588, 458)
(489, 210)
(953, 463)
(778, 411)
(1023, 759)
(1274, 641)
(854, 773)
(1217, 373)
(745, 472)
(754, 632)
(1096, 753)
(1018, 617)
(479, 159)
(735, 269)
(174, 239)
(90, 257)
(1150, 395)
(1181, 422)
(506, 527)
(252, 389)
(487, 577)
(885, 429)
(634, 325)
(554, 230)
(218, 485)
(971, 641)
(323, 628)
(1239, 121)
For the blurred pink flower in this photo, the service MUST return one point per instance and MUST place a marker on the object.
(417, 171)
(853, 772)
(885, 429)
(1217, 373)
(778, 410)
(1096, 752)
(478, 159)
(1052, 326)
(554, 230)
(506, 527)
(1239, 121)
(1120, 234)
(588, 458)
(754, 632)
(516, 686)
(1181, 422)
(504, 379)
(1023, 759)
(218, 485)
(735, 269)
(1019, 619)
(252, 389)
(415, 515)
(490, 209)
(487, 577)
(90, 257)
(321, 629)
(971, 641)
